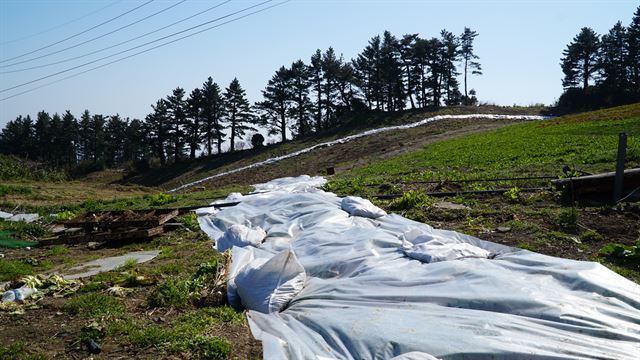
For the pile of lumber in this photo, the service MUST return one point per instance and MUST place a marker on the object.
(111, 226)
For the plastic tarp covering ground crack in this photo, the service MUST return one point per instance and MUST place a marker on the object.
(366, 297)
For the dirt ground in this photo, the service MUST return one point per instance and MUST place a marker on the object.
(51, 331)
(351, 154)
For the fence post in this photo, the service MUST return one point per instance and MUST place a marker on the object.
(618, 182)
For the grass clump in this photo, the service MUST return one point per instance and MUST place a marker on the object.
(411, 199)
(591, 236)
(18, 350)
(171, 293)
(94, 305)
(57, 250)
(567, 219)
(622, 253)
(161, 199)
(210, 348)
(13, 269)
(190, 221)
(186, 333)
(14, 189)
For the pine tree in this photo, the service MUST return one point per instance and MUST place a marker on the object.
(212, 115)
(136, 144)
(42, 138)
(84, 137)
(17, 137)
(177, 106)
(276, 104)
(195, 110)
(407, 46)
(300, 103)
(613, 58)
(317, 79)
(449, 57)
(330, 70)
(367, 72)
(391, 73)
(580, 59)
(115, 133)
(159, 126)
(633, 52)
(69, 139)
(469, 57)
(98, 143)
(237, 111)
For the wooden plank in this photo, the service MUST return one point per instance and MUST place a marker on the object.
(120, 219)
(105, 236)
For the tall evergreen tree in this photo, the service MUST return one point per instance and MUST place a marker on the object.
(449, 56)
(238, 112)
(115, 135)
(195, 110)
(85, 152)
(633, 51)
(159, 127)
(391, 73)
(367, 72)
(177, 106)
(69, 139)
(469, 57)
(613, 58)
(17, 137)
(98, 141)
(301, 105)
(42, 138)
(317, 79)
(407, 46)
(136, 141)
(580, 59)
(212, 115)
(276, 104)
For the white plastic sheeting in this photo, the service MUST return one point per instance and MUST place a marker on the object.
(357, 136)
(364, 298)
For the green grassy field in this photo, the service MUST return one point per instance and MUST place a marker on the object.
(587, 143)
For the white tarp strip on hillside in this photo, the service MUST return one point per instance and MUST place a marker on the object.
(357, 136)
(327, 285)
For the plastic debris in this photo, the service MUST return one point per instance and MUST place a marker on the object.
(24, 217)
(107, 264)
(18, 295)
(357, 206)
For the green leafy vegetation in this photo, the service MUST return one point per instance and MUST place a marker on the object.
(13, 169)
(411, 199)
(14, 189)
(94, 305)
(622, 253)
(13, 269)
(19, 351)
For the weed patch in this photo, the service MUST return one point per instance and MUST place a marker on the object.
(94, 305)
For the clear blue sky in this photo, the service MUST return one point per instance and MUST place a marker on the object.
(520, 45)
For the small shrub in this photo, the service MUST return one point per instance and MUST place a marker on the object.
(526, 246)
(161, 199)
(173, 292)
(210, 348)
(622, 253)
(129, 264)
(57, 250)
(190, 221)
(65, 215)
(411, 199)
(94, 305)
(591, 235)
(567, 218)
(513, 195)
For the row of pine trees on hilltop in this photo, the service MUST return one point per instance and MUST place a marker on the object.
(602, 71)
(301, 100)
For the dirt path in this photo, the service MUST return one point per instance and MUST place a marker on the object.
(355, 153)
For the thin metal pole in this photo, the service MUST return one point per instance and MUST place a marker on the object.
(618, 183)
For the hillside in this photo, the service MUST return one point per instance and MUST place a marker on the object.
(341, 157)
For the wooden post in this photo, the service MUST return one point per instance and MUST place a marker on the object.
(622, 152)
